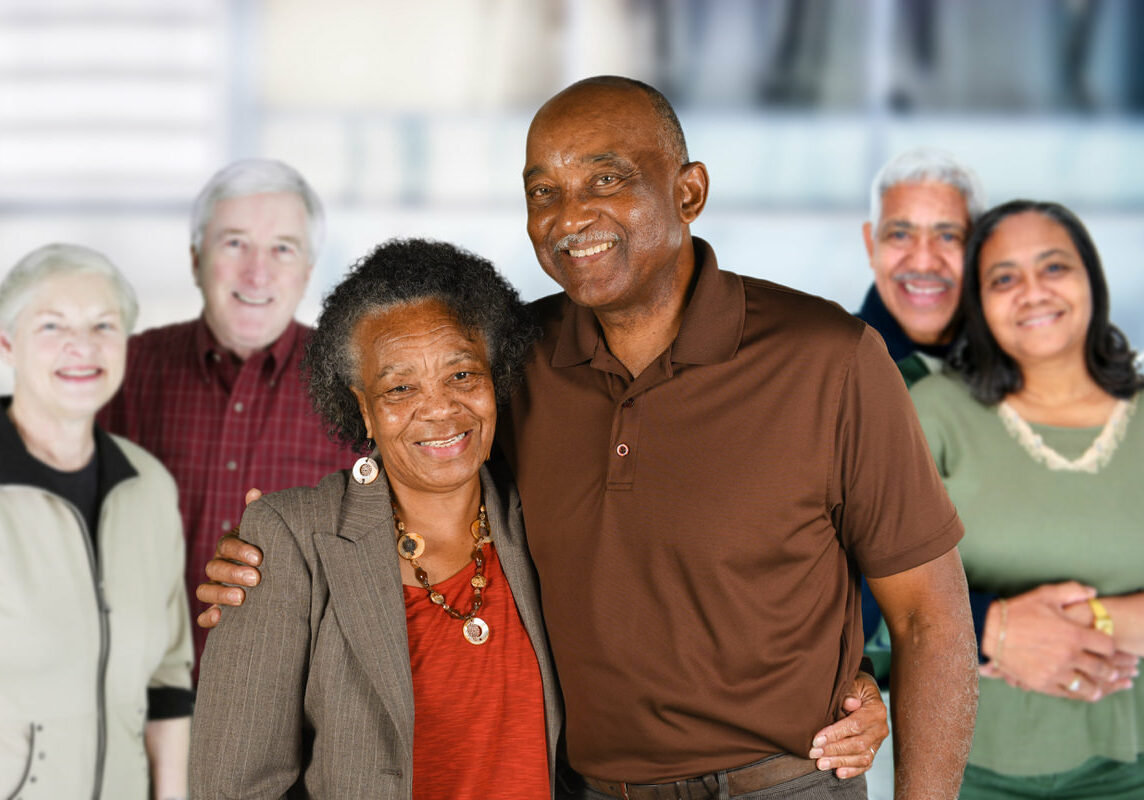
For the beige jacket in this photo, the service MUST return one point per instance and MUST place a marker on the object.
(58, 646)
(321, 646)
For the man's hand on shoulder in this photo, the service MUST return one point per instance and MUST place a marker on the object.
(235, 565)
(848, 746)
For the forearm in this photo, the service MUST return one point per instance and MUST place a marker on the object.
(933, 699)
(168, 742)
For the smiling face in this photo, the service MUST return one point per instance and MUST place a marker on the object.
(608, 203)
(252, 269)
(426, 396)
(916, 253)
(67, 347)
(1035, 292)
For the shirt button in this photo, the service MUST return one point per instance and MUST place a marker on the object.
(621, 450)
(232, 465)
(631, 401)
(238, 407)
(226, 526)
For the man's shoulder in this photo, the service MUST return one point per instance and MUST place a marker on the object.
(163, 339)
(548, 308)
(783, 309)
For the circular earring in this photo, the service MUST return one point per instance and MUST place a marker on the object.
(365, 470)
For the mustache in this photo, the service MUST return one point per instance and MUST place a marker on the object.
(579, 239)
(924, 276)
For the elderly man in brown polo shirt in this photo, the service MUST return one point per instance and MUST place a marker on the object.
(706, 463)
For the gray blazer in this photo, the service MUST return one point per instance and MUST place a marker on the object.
(321, 647)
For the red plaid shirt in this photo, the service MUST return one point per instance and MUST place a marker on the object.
(221, 427)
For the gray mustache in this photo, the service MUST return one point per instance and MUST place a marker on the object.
(578, 240)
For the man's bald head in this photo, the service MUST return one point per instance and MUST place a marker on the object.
(670, 132)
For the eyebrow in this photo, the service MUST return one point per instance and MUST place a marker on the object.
(1052, 251)
(456, 358)
(937, 226)
(594, 158)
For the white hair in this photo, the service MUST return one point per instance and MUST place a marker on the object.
(258, 176)
(52, 260)
(927, 164)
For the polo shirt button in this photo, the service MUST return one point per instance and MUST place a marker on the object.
(238, 407)
(226, 526)
(621, 450)
(631, 401)
(232, 465)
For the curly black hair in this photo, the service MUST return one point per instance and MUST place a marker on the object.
(988, 370)
(399, 272)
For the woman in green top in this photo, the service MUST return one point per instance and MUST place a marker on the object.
(1035, 437)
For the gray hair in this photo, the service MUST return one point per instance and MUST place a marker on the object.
(928, 164)
(258, 176)
(52, 260)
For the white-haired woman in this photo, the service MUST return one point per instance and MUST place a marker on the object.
(95, 690)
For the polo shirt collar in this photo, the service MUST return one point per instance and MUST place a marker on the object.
(709, 332)
(278, 355)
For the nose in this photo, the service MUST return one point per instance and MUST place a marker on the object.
(576, 213)
(1033, 289)
(256, 268)
(81, 343)
(437, 402)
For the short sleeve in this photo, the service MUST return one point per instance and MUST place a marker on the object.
(893, 512)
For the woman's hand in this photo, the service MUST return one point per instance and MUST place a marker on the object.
(235, 565)
(848, 746)
(1044, 650)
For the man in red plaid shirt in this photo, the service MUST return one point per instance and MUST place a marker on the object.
(219, 399)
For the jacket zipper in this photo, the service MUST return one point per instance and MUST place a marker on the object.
(104, 651)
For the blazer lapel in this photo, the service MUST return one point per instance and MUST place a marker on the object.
(365, 584)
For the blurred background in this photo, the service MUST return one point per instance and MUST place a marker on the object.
(409, 119)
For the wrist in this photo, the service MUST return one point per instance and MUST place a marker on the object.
(996, 631)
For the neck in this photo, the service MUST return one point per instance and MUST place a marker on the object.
(439, 516)
(637, 336)
(63, 444)
(1061, 393)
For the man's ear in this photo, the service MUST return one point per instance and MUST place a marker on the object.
(195, 267)
(691, 184)
(868, 237)
(6, 355)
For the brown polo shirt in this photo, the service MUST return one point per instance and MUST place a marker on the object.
(699, 530)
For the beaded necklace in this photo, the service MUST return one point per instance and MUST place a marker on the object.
(411, 546)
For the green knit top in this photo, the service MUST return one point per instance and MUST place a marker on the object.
(1026, 525)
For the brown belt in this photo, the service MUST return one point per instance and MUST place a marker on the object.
(751, 778)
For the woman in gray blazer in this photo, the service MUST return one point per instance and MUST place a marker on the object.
(396, 648)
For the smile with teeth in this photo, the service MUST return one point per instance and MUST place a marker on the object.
(925, 288)
(252, 301)
(591, 251)
(77, 372)
(452, 440)
(1040, 319)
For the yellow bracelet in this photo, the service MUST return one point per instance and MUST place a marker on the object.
(1100, 619)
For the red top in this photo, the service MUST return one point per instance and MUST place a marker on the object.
(221, 427)
(478, 728)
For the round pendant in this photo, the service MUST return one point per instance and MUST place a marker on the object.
(475, 630)
(410, 546)
(478, 581)
(365, 470)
